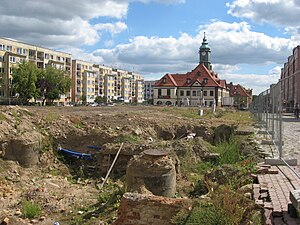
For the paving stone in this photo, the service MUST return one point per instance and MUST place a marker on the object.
(268, 205)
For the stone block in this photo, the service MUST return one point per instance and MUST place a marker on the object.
(295, 198)
(266, 142)
(278, 162)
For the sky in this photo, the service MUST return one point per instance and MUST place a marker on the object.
(250, 40)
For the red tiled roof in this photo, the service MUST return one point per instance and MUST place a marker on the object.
(239, 90)
(197, 75)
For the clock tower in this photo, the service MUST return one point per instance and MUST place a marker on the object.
(204, 54)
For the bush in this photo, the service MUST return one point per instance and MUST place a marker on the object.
(31, 209)
(225, 207)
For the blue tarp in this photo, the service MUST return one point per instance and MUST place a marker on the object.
(74, 154)
(94, 147)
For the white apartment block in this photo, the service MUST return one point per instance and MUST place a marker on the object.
(88, 80)
(14, 52)
(148, 90)
(85, 82)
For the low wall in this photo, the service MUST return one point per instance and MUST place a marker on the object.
(138, 209)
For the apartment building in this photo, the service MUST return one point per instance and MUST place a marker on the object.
(13, 52)
(148, 90)
(85, 82)
(122, 85)
(139, 91)
(88, 80)
(290, 80)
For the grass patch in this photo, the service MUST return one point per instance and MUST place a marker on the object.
(2, 117)
(242, 117)
(31, 210)
(129, 138)
(106, 208)
(229, 152)
(79, 125)
(17, 117)
(51, 116)
(225, 207)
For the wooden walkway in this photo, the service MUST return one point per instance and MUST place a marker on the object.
(273, 193)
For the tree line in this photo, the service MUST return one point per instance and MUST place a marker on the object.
(32, 83)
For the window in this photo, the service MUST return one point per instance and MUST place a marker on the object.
(25, 51)
(205, 80)
(211, 93)
(194, 93)
(168, 92)
(188, 93)
(12, 59)
(19, 50)
(181, 93)
(2, 47)
(198, 93)
(204, 93)
(9, 48)
(164, 80)
(46, 56)
(159, 92)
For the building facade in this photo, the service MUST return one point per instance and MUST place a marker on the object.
(290, 80)
(200, 87)
(14, 52)
(88, 80)
(149, 90)
(242, 97)
(85, 79)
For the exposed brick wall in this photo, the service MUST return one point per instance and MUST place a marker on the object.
(138, 209)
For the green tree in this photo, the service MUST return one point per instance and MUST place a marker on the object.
(52, 83)
(24, 79)
(100, 99)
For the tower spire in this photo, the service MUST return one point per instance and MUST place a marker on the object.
(204, 53)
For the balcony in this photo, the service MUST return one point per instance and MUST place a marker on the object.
(164, 96)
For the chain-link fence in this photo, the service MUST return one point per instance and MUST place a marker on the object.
(267, 108)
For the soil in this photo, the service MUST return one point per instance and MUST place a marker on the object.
(31, 168)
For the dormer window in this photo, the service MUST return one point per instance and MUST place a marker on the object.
(188, 80)
(205, 81)
(164, 80)
(198, 73)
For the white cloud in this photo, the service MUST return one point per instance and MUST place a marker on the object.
(68, 22)
(278, 12)
(258, 83)
(232, 44)
(113, 28)
(80, 54)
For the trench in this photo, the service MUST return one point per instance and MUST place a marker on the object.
(28, 151)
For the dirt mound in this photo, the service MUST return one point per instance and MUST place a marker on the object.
(39, 173)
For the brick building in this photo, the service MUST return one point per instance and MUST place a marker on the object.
(290, 79)
(242, 97)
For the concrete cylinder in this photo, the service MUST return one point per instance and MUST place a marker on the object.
(26, 153)
(153, 170)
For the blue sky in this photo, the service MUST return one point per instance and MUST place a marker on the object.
(250, 39)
